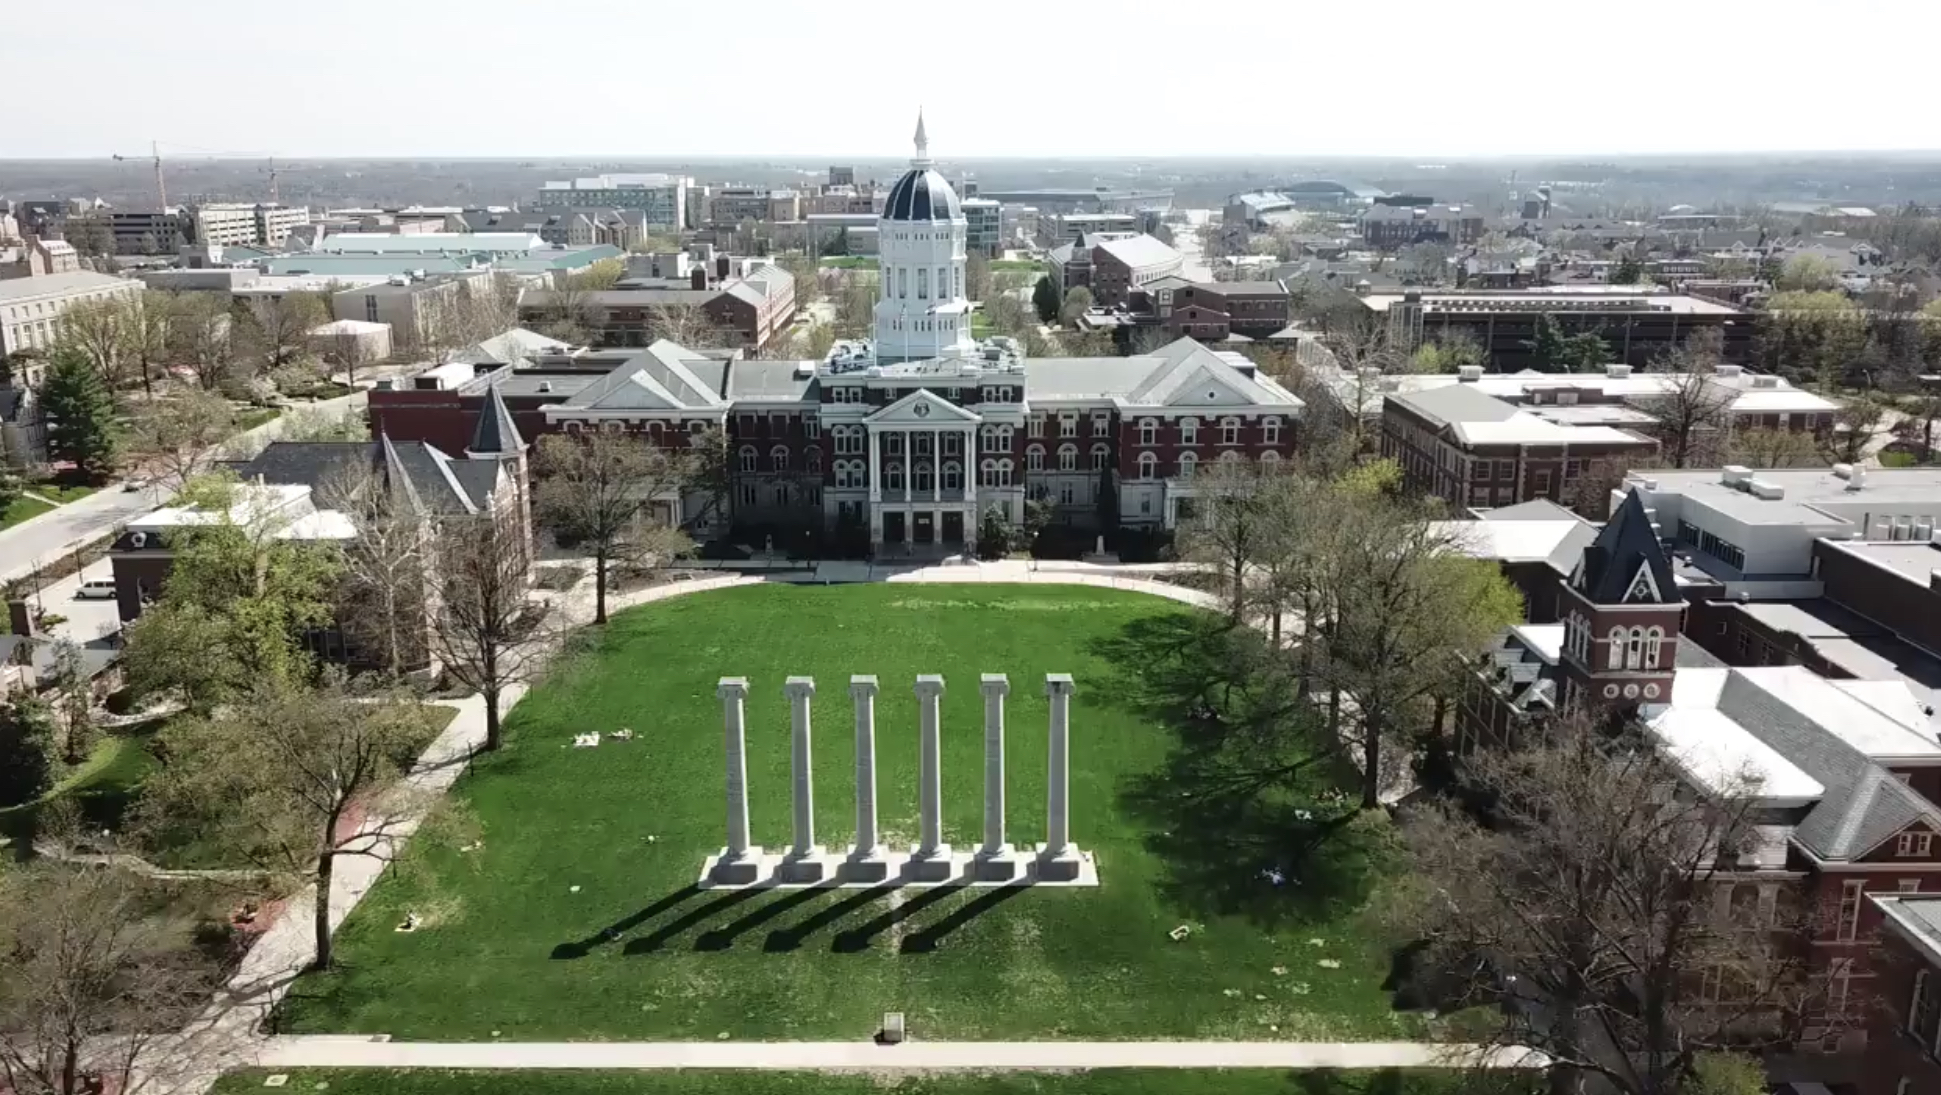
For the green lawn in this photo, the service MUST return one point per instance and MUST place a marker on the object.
(579, 918)
(1017, 264)
(847, 262)
(62, 494)
(249, 420)
(21, 509)
(1129, 1081)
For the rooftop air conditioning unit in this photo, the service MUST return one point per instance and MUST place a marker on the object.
(1843, 471)
(1766, 489)
(545, 386)
(1469, 372)
(1735, 475)
(1765, 382)
(1617, 372)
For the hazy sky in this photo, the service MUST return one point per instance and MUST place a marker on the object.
(659, 79)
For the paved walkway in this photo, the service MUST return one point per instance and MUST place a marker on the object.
(229, 1033)
(333, 1051)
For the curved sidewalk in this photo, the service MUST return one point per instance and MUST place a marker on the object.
(350, 1051)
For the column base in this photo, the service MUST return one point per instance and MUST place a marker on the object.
(999, 864)
(935, 865)
(800, 867)
(865, 865)
(726, 869)
(1064, 864)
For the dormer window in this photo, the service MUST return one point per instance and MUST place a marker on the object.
(1910, 845)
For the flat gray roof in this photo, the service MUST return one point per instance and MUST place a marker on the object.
(1813, 496)
(1913, 559)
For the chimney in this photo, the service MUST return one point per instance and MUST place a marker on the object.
(20, 619)
(697, 278)
(1858, 479)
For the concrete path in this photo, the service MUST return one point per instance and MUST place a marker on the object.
(331, 1051)
(229, 1035)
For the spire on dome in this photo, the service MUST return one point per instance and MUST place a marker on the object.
(922, 158)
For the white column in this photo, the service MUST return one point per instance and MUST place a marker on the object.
(875, 460)
(1058, 861)
(994, 858)
(936, 468)
(866, 863)
(930, 860)
(804, 862)
(737, 862)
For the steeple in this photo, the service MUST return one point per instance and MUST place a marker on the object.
(1626, 564)
(496, 433)
(922, 158)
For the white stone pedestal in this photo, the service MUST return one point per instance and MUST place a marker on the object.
(865, 866)
(809, 865)
(934, 865)
(1060, 864)
(727, 868)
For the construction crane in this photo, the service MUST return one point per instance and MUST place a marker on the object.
(161, 187)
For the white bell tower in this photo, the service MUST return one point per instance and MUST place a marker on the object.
(921, 239)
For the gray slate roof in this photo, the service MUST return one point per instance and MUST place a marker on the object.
(496, 432)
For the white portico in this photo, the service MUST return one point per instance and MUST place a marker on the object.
(921, 490)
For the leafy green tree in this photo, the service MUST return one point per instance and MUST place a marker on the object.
(81, 424)
(74, 697)
(273, 781)
(993, 534)
(1806, 273)
(1727, 1074)
(239, 599)
(1038, 513)
(26, 749)
(181, 433)
(1628, 271)
(1076, 304)
(12, 486)
(1047, 299)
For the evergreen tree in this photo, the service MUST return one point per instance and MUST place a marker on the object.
(11, 486)
(1546, 343)
(81, 425)
(1628, 271)
(1108, 501)
(26, 746)
(1047, 299)
(993, 534)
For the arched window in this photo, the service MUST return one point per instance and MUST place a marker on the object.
(987, 473)
(1004, 473)
(1068, 458)
(748, 458)
(812, 459)
(1034, 458)
(1188, 463)
(921, 479)
(1653, 642)
(1616, 657)
(1270, 457)
(953, 475)
(572, 427)
(1004, 434)
(778, 458)
(1231, 456)
(1634, 649)
(893, 476)
(1148, 465)
(1101, 454)
(653, 430)
(987, 439)
(1229, 431)
(1270, 430)
(1148, 431)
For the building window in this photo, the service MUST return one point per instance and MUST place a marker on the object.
(1004, 468)
(748, 494)
(1270, 458)
(893, 444)
(849, 440)
(923, 283)
(1189, 431)
(1068, 425)
(1148, 465)
(1230, 431)
(812, 428)
(778, 458)
(1034, 426)
(812, 460)
(1542, 487)
(923, 478)
(1849, 922)
(1917, 1007)
(1034, 458)
(893, 477)
(748, 458)
(1187, 463)
(1270, 430)
(1065, 494)
(1101, 455)
(953, 442)
(1506, 469)
(1654, 639)
(1148, 432)
(1615, 659)
(1068, 458)
(1101, 425)
(987, 473)
(1914, 844)
(953, 475)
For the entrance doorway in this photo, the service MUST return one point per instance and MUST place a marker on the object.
(953, 528)
(926, 528)
(892, 528)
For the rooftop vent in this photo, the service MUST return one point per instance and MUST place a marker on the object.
(1763, 488)
(1843, 471)
(1617, 372)
(1730, 370)
(545, 386)
(1735, 475)
(1857, 478)
(1765, 382)
(1469, 372)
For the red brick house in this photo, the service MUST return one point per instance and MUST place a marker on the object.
(1904, 1039)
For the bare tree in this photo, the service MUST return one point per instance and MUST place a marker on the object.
(87, 981)
(349, 351)
(1589, 904)
(148, 318)
(284, 324)
(1227, 529)
(687, 325)
(600, 489)
(292, 780)
(98, 331)
(181, 434)
(1771, 448)
(485, 629)
(200, 338)
(1853, 430)
(385, 566)
(1693, 411)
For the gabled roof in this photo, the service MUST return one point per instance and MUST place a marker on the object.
(663, 377)
(1626, 564)
(496, 433)
(923, 405)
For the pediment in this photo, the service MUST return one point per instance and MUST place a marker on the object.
(636, 392)
(922, 408)
(1205, 387)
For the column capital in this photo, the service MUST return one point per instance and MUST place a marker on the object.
(798, 687)
(929, 685)
(732, 688)
(994, 684)
(1058, 683)
(862, 685)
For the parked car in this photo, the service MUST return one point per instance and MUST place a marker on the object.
(97, 589)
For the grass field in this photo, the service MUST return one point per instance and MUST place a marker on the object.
(579, 918)
(847, 262)
(21, 509)
(1017, 264)
(1104, 1082)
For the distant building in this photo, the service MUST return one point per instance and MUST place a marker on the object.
(225, 225)
(37, 257)
(411, 307)
(986, 227)
(1391, 226)
(752, 308)
(842, 176)
(1111, 268)
(151, 232)
(1211, 311)
(661, 198)
(731, 205)
(1637, 324)
(1071, 227)
(31, 308)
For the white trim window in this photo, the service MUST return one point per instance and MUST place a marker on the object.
(1068, 424)
(893, 476)
(1148, 431)
(778, 458)
(1848, 924)
(1911, 845)
(1148, 466)
(1270, 457)
(1189, 431)
(953, 475)
(1101, 456)
(1068, 458)
(748, 458)
(1229, 431)
(812, 459)
(1615, 658)
(1004, 469)
(1270, 430)
(1034, 458)
(1188, 463)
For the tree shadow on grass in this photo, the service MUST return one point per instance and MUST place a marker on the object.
(582, 947)
(1243, 813)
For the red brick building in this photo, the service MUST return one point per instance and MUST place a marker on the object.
(1904, 1040)
(1112, 267)
(1210, 311)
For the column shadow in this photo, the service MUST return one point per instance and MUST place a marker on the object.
(582, 947)
(791, 937)
(720, 939)
(927, 940)
(858, 937)
(658, 938)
